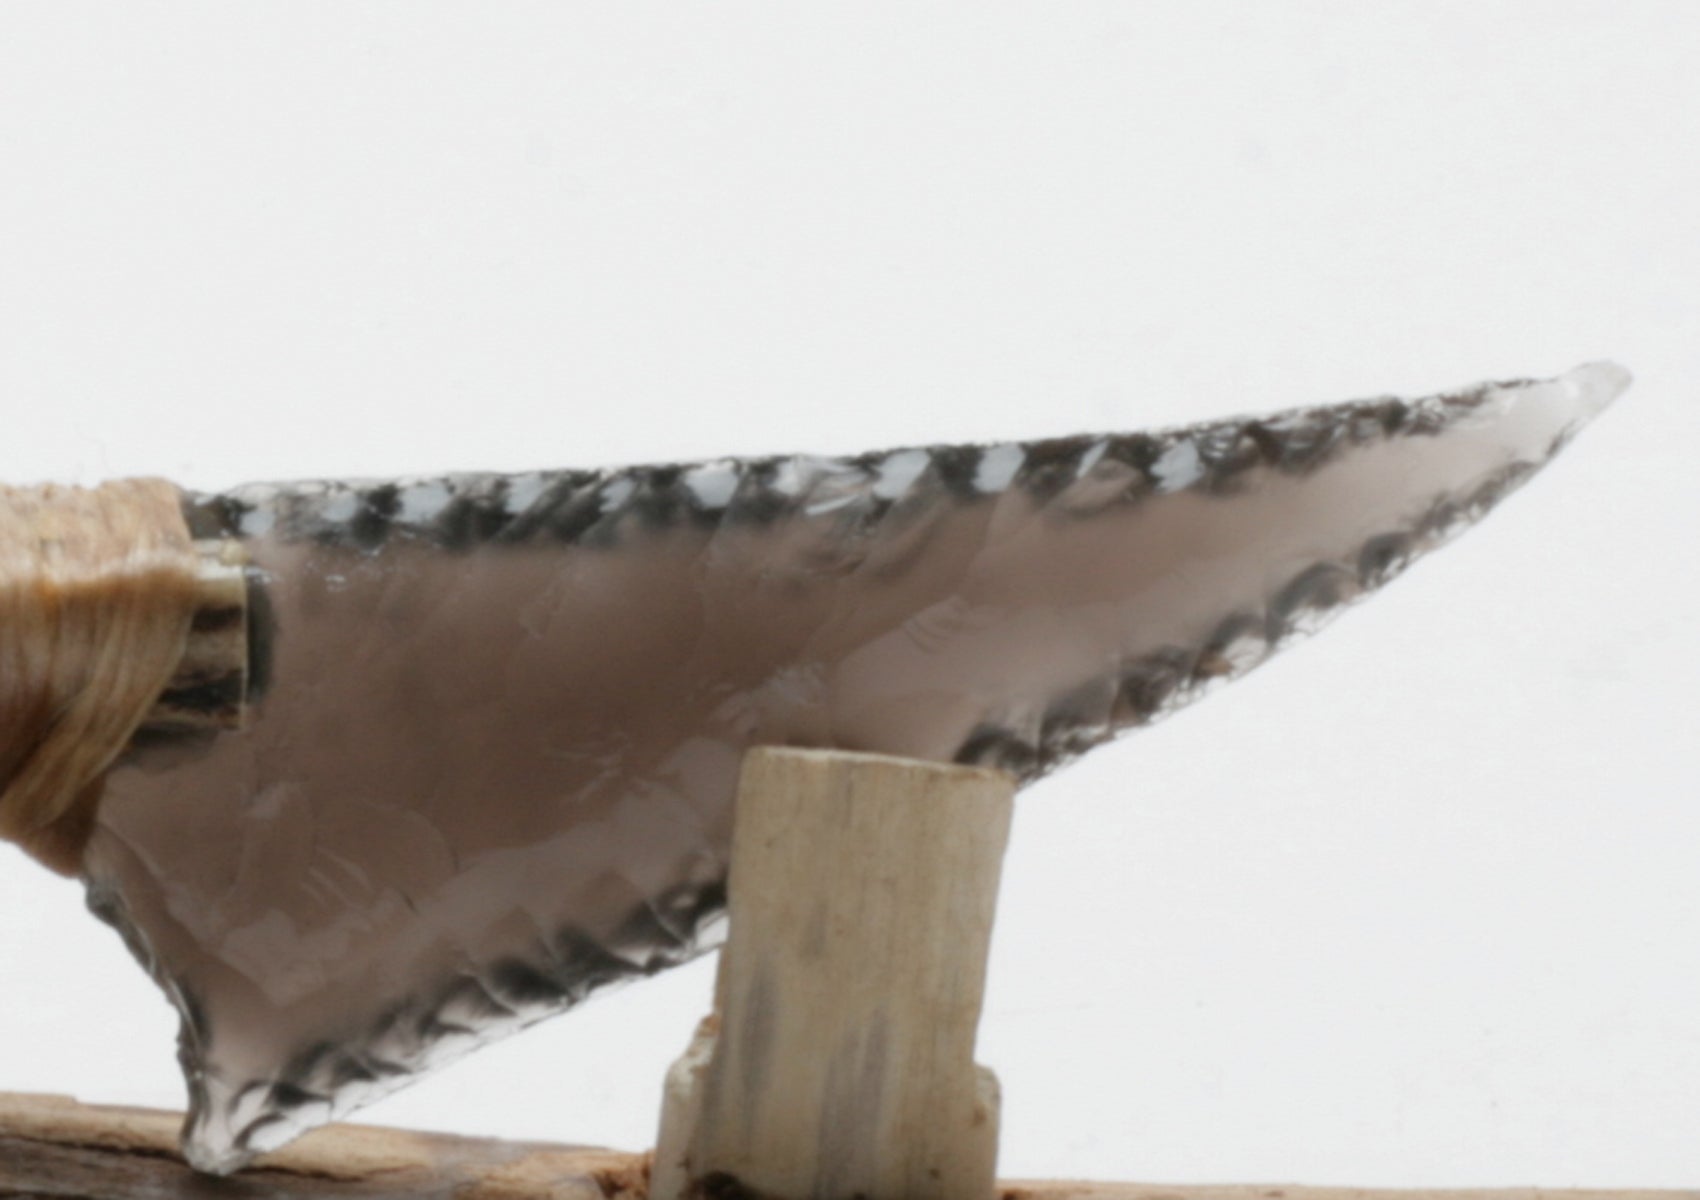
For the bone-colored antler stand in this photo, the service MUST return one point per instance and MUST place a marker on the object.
(839, 1061)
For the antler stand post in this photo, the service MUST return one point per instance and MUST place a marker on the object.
(839, 1061)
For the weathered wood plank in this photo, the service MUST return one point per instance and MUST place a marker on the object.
(52, 1146)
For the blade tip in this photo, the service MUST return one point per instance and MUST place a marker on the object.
(1596, 384)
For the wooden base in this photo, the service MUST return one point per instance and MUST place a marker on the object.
(52, 1146)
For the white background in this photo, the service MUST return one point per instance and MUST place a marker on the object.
(1417, 904)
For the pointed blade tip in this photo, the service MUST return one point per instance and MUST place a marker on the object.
(1595, 385)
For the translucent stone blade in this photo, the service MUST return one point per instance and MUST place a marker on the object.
(491, 766)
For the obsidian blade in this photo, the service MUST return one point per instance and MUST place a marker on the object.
(496, 720)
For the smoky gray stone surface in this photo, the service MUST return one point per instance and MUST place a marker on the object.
(491, 759)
